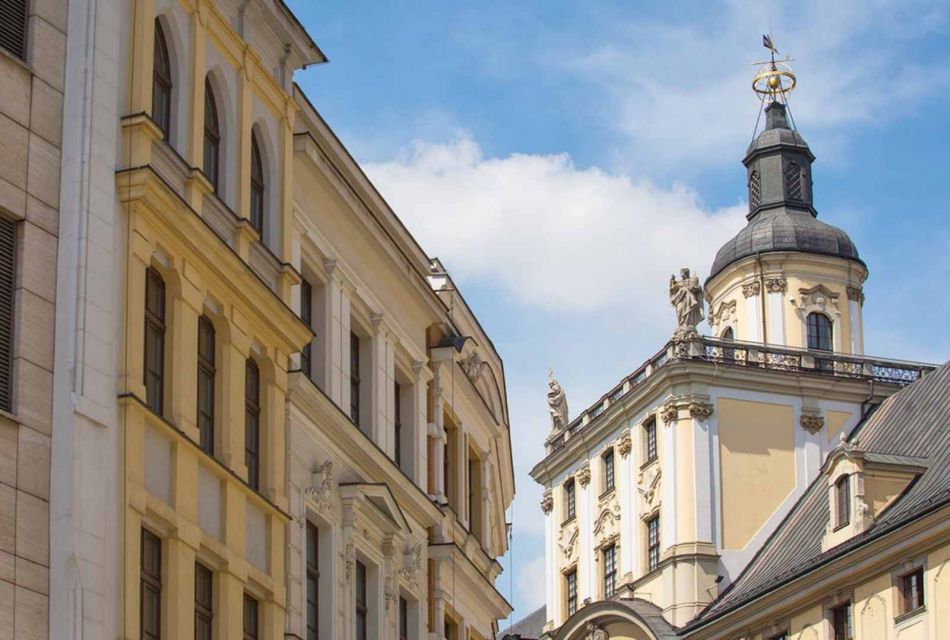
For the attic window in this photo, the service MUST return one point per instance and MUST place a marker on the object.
(842, 501)
(755, 190)
(793, 181)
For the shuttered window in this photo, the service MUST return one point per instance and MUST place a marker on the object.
(7, 284)
(13, 27)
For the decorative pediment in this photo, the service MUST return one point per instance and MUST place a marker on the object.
(723, 314)
(817, 298)
(375, 506)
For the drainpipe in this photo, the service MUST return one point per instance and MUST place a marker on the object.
(758, 260)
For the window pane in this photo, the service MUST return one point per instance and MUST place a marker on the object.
(250, 618)
(252, 413)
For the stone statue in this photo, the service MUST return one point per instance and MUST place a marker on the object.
(557, 404)
(686, 296)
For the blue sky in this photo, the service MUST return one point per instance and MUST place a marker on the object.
(562, 158)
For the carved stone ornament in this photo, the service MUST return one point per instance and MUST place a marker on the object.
(856, 294)
(686, 296)
(320, 490)
(567, 541)
(700, 410)
(472, 366)
(669, 413)
(819, 298)
(812, 422)
(595, 632)
(412, 565)
(750, 289)
(547, 501)
(648, 486)
(624, 444)
(391, 586)
(777, 284)
(723, 314)
(606, 523)
(349, 559)
(583, 475)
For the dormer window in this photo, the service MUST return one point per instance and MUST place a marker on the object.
(755, 190)
(843, 502)
(793, 181)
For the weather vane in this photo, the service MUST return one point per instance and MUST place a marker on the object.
(774, 80)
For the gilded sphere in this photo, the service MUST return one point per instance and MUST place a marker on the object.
(774, 82)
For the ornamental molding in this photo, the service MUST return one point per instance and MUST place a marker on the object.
(320, 491)
(606, 522)
(596, 632)
(723, 314)
(817, 298)
(473, 366)
(412, 565)
(856, 294)
(776, 284)
(624, 444)
(391, 586)
(812, 422)
(648, 486)
(547, 501)
(567, 541)
(700, 410)
(752, 288)
(583, 475)
(669, 413)
(349, 558)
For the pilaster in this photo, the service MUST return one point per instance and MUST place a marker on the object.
(183, 343)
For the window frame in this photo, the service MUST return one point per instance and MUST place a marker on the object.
(843, 501)
(258, 199)
(355, 379)
(155, 327)
(252, 618)
(397, 423)
(150, 582)
(207, 378)
(204, 608)
(650, 445)
(306, 316)
(361, 601)
(609, 569)
(814, 332)
(403, 621)
(841, 615)
(312, 599)
(570, 499)
(610, 472)
(252, 423)
(911, 587)
(162, 82)
(211, 150)
(653, 542)
(793, 181)
(570, 590)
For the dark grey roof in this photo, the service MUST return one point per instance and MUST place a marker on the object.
(528, 628)
(912, 424)
(782, 229)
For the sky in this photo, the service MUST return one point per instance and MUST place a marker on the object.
(564, 158)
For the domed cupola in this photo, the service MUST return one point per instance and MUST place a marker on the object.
(786, 278)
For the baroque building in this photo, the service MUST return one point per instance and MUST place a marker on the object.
(702, 493)
(270, 413)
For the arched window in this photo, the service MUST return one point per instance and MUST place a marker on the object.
(212, 137)
(842, 501)
(161, 83)
(727, 334)
(819, 332)
(755, 190)
(793, 181)
(257, 187)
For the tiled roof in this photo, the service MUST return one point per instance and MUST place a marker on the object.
(913, 425)
(528, 628)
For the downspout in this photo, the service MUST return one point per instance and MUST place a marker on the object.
(758, 260)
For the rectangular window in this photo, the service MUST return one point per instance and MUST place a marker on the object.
(206, 375)
(843, 499)
(361, 609)
(570, 504)
(154, 341)
(841, 622)
(252, 423)
(610, 570)
(13, 15)
(7, 288)
(609, 470)
(403, 619)
(653, 543)
(912, 591)
(251, 618)
(397, 425)
(306, 315)
(313, 582)
(570, 584)
(355, 378)
(204, 602)
(150, 586)
(649, 430)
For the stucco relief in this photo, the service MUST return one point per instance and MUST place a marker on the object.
(669, 412)
(391, 586)
(700, 410)
(624, 444)
(873, 619)
(607, 523)
(812, 422)
(648, 486)
(320, 491)
(349, 558)
(856, 294)
(583, 475)
(547, 501)
(567, 541)
(819, 298)
(722, 315)
(776, 284)
(809, 632)
(595, 632)
(750, 289)
(412, 564)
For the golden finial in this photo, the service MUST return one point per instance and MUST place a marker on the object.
(774, 80)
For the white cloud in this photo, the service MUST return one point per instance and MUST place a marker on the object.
(555, 237)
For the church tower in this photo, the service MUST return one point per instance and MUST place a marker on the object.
(786, 279)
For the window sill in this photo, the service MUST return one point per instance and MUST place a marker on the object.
(607, 493)
(568, 521)
(909, 615)
(840, 527)
(650, 462)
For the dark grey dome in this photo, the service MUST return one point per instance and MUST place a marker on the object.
(785, 230)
